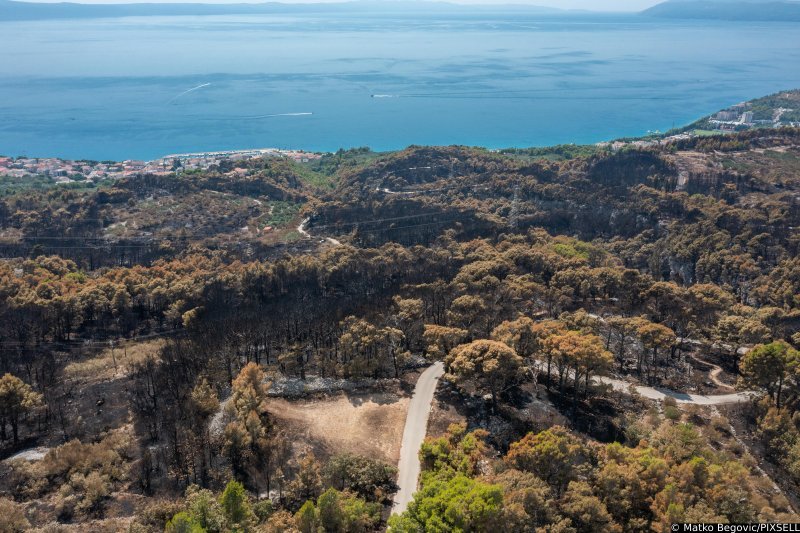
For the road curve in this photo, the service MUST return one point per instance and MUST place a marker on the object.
(659, 393)
(414, 433)
(420, 407)
(301, 229)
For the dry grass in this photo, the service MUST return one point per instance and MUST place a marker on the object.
(370, 425)
(108, 525)
(103, 365)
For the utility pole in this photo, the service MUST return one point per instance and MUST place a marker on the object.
(513, 216)
(113, 357)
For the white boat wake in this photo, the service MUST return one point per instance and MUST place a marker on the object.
(306, 113)
(187, 91)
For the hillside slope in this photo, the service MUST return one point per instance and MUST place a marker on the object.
(749, 10)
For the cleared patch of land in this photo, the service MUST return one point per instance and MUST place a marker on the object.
(364, 424)
(113, 362)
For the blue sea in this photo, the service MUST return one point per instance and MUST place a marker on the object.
(145, 87)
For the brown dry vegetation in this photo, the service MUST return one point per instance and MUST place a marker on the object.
(698, 242)
(114, 362)
(370, 425)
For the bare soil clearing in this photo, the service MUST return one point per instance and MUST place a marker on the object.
(364, 424)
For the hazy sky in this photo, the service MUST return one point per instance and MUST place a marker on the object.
(594, 5)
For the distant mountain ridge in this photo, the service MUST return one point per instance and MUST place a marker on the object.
(743, 10)
(13, 10)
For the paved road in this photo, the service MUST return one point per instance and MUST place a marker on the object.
(658, 393)
(414, 433)
(420, 407)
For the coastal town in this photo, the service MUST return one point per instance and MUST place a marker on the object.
(66, 170)
(740, 116)
(767, 112)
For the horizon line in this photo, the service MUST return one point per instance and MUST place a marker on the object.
(533, 4)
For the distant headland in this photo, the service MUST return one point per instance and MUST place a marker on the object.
(741, 10)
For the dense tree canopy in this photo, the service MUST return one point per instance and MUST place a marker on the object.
(490, 365)
(515, 269)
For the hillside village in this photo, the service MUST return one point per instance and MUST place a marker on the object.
(774, 111)
(68, 171)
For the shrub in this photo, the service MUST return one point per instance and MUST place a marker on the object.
(155, 516)
(95, 489)
(372, 480)
(12, 517)
(107, 457)
(672, 413)
(82, 494)
(307, 518)
(280, 522)
(721, 424)
(183, 523)
(263, 509)
(205, 510)
(694, 414)
(27, 479)
(236, 505)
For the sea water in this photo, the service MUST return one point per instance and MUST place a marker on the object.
(144, 87)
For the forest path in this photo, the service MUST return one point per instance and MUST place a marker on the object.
(414, 433)
(714, 373)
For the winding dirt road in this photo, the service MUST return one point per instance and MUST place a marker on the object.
(414, 433)
(301, 229)
(714, 373)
